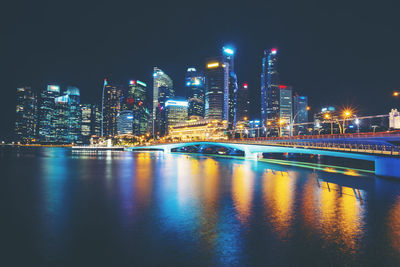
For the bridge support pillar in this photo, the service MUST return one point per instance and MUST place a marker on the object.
(389, 167)
(252, 155)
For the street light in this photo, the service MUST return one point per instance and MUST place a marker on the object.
(294, 119)
(396, 93)
(347, 113)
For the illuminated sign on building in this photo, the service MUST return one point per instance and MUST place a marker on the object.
(141, 83)
(53, 88)
(176, 103)
(213, 65)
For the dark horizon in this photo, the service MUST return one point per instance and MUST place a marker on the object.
(336, 55)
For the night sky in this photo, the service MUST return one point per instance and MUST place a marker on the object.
(336, 53)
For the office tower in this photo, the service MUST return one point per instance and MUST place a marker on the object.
(95, 127)
(125, 122)
(75, 115)
(217, 90)
(230, 99)
(300, 104)
(176, 111)
(243, 103)
(270, 89)
(61, 119)
(46, 113)
(111, 106)
(86, 129)
(162, 91)
(194, 83)
(140, 112)
(26, 115)
(285, 108)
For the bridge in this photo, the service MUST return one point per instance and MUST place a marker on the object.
(387, 161)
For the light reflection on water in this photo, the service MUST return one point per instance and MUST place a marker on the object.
(154, 208)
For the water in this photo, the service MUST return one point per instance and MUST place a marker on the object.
(63, 208)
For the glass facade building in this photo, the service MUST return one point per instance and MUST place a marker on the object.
(270, 93)
(285, 108)
(217, 90)
(26, 115)
(47, 130)
(162, 91)
(176, 112)
(111, 107)
(125, 122)
(300, 112)
(243, 103)
(194, 83)
(230, 99)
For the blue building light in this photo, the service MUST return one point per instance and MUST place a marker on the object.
(228, 50)
(188, 84)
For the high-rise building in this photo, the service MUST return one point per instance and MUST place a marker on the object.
(91, 121)
(140, 112)
(270, 89)
(285, 108)
(300, 104)
(243, 103)
(111, 106)
(86, 131)
(162, 91)
(230, 100)
(217, 90)
(26, 115)
(47, 130)
(125, 122)
(176, 112)
(194, 83)
(61, 119)
(75, 115)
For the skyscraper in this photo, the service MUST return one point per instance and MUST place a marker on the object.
(111, 107)
(285, 108)
(217, 90)
(46, 113)
(140, 113)
(243, 103)
(26, 114)
(91, 121)
(60, 119)
(176, 112)
(300, 112)
(270, 88)
(194, 83)
(75, 115)
(160, 79)
(230, 100)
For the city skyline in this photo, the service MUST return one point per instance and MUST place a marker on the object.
(308, 62)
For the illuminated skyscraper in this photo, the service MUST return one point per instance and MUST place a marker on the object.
(217, 90)
(91, 121)
(75, 115)
(230, 100)
(111, 107)
(61, 119)
(243, 103)
(176, 111)
(160, 79)
(270, 88)
(138, 106)
(285, 108)
(26, 115)
(300, 112)
(194, 83)
(47, 130)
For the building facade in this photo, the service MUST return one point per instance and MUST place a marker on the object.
(270, 89)
(300, 104)
(243, 103)
(217, 88)
(47, 129)
(26, 115)
(162, 91)
(111, 106)
(230, 99)
(194, 83)
(285, 109)
(125, 122)
(176, 111)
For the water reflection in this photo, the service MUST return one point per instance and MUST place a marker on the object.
(155, 208)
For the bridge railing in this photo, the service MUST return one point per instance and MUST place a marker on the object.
(328, 136)
(349, 147)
